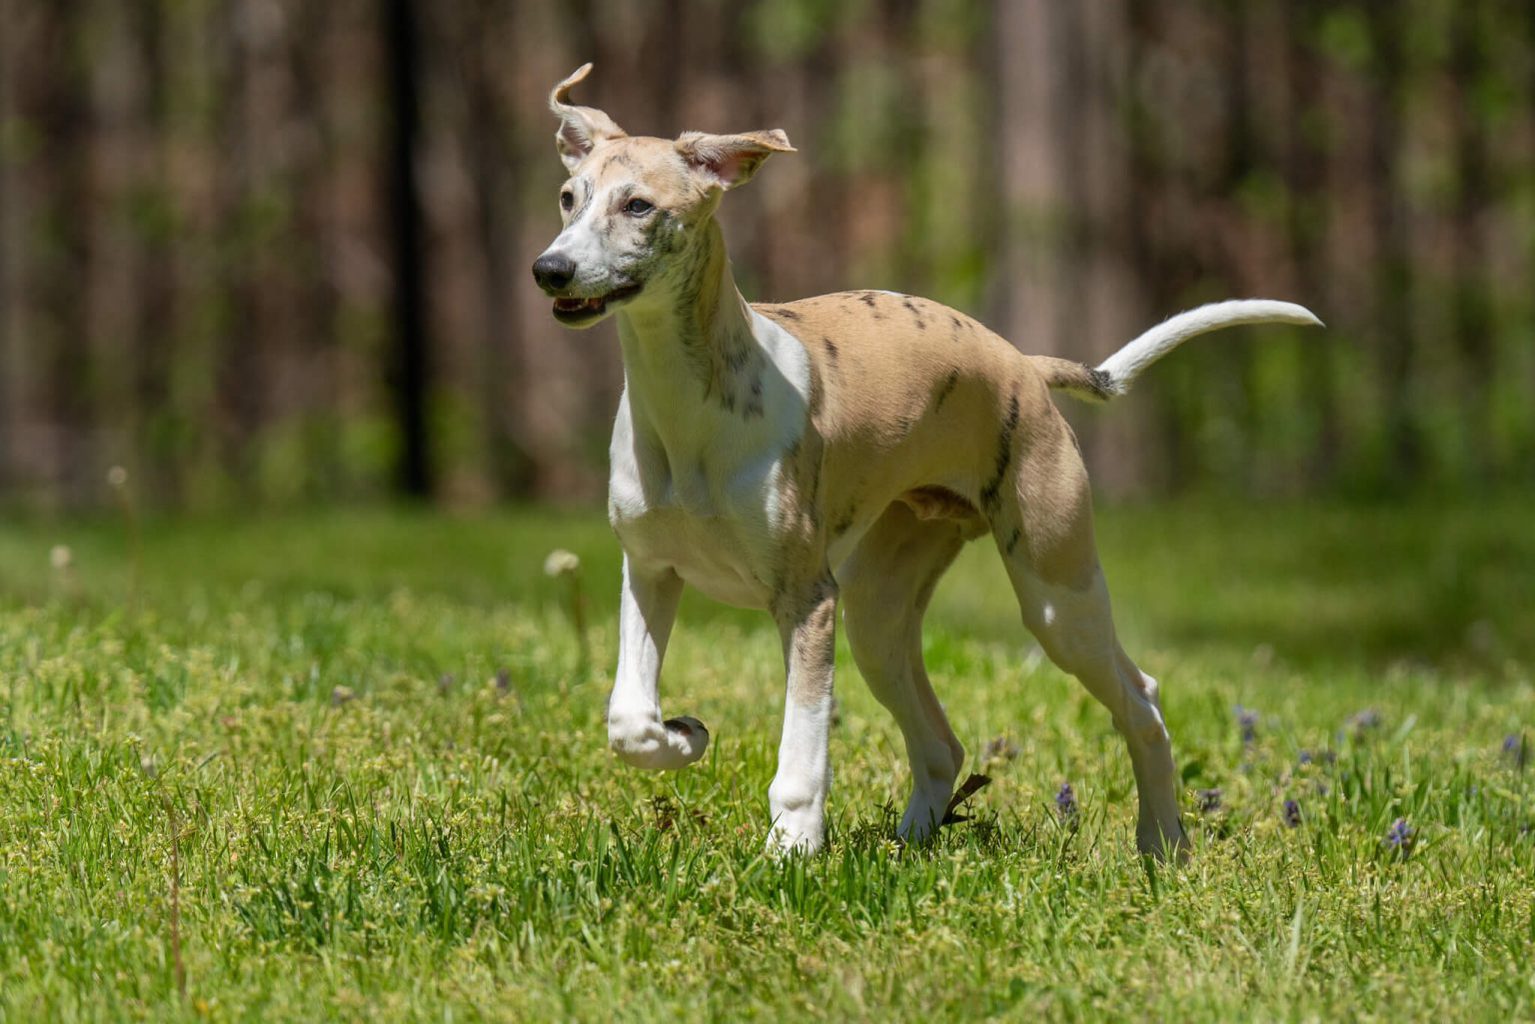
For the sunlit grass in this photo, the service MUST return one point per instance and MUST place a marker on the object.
(393, 796)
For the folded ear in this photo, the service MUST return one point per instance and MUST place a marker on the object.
(581, 128)
(731, 160)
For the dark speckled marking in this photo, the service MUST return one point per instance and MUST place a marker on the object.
(916, 314)
(946, 389)
(753, 408)
(867, 298)
(831, 350)
(842, 525)
(993, 487)
(618, 157)
(1012, 542)
(786, 314)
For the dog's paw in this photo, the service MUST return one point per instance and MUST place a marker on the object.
(795, 838)
(645, 742)
(689, 736)
(799, 820)
(1155, 843)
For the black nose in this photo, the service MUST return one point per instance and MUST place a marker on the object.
(553, 271)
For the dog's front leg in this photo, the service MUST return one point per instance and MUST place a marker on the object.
(636, 731)
(807, 619)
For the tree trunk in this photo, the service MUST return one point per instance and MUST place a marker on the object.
(157, 442)
(318, 294)
(64, 263)
(1306, 176)
(1031, 197)
(411, 367)
(1471, 313)
(494, 167)
(1389, 227)
(240, 380)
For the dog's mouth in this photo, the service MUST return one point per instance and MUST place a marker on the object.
(579, 309)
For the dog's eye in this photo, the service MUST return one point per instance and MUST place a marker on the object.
(638, 207)
(567, 199)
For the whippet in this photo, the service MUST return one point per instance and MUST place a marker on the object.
(785, 456)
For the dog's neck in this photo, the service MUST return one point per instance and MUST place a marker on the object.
(689, 350)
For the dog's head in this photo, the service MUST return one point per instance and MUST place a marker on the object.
(634, 207)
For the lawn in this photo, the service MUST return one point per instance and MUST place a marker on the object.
(354, 764)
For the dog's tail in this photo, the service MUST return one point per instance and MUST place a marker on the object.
(1113, 376)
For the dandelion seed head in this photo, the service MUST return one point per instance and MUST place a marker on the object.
(561, 563)
(1000, 749)
(1365, 720)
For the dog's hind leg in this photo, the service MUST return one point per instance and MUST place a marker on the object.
(886, 585)
(1043, 526)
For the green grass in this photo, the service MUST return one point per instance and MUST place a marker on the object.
(369, 825)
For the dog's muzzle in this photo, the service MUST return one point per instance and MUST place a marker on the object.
(555, 273)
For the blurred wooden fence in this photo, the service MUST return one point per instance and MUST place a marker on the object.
(197, 213)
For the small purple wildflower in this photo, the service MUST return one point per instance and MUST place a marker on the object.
(1066, 802)
(1516, 750)
(1292, 813)
(1305, 757)
(1209, 800)
(1400, 837)
(1247, 718)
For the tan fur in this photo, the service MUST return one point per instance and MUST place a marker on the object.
(917, 401)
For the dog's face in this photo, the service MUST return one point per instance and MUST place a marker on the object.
(633, 207)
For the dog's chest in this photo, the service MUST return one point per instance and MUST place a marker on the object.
(712, 511)
(703, 486)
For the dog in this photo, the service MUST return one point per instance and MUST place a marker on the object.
(789, 456)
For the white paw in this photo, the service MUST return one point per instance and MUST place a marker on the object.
(921, 820)
(796, 833)
(644, 742)
(688, 737)
(1163, 843)
(927, 808)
